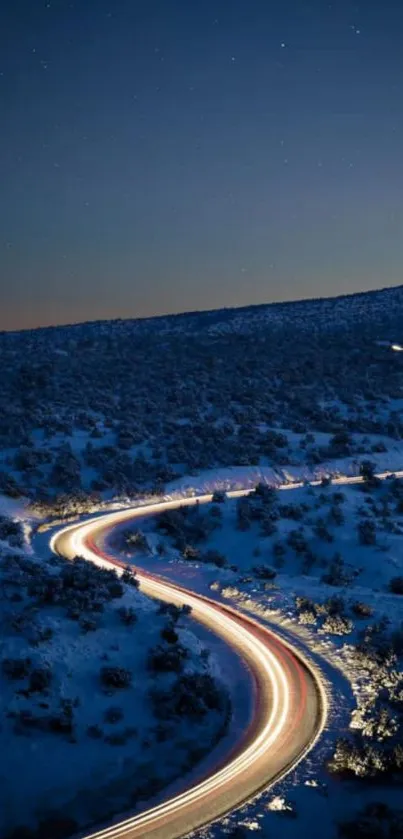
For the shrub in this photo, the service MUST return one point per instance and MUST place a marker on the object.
(297, 541)
(172, 611)
(322, 532)
(264, 572)
(219, 496)
(127, 615)
(215, 558)
(307, 617)
(95, 732)
(88, 624)
(396, 585)
(115, 677)
(129, 577)
(11, 532)
(169, 635)
(361, 762)
(336, 575)
(135, 539)
(40, 679)
(167, 659)
(191, 697)
(375, 821)
(367, 532)
(113, 714)
(362, 610)
(367, 470)
(16, 668)
(337, 625)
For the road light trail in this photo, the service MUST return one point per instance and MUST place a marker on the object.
(290, 704)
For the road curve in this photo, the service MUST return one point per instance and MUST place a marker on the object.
(290, 705)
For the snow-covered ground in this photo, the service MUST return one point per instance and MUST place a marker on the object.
(328, 584)
(91, 676)
(108, 413)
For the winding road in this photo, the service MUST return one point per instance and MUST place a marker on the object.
(290, 705)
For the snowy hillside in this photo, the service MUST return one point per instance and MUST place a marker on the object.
(117, 407)
(105, 695)
(324, 563)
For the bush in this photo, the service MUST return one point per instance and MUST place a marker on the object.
(396, 585)
(11, 532)
(336, 575)
(264, 572)
(367, 470)
(297, 541)
(307, 617)
(172, 611)
(337, 625)
(362, 610)
(191, 697)
(367, 532)
(219, 496)
(115, 677)
(129, 577)
(169, 635)
(95, 732)
(167, 659)
(88, 624)
(40, 679)
(16, 668)
(375, 821)
(113, 714)
(215, 558)
(362, 762)
(127, 615)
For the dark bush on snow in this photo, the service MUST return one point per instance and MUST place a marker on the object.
(367, 532)
(219, 496)
(16, 668)
(361, 610)
(396, 585)
(337, 574)
(169, 635)
(214, 557)
(191, 697)
(115, 677)
(291, 511)
(266, 492)
(173, 612)
(264, 572)
(127, 615)
(129, 577)
(376, 821)
(40, 679)
(367, 470)
(167, 659)
(297, 541)
(11, 532)
(113, 714)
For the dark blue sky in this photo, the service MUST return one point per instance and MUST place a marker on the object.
(163, 155)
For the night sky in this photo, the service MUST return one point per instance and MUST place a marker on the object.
(168, 155)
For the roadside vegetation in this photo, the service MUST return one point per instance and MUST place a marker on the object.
(105, 695)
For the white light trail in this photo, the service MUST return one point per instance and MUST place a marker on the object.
(288, 687)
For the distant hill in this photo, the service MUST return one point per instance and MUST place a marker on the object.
(382, 306)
